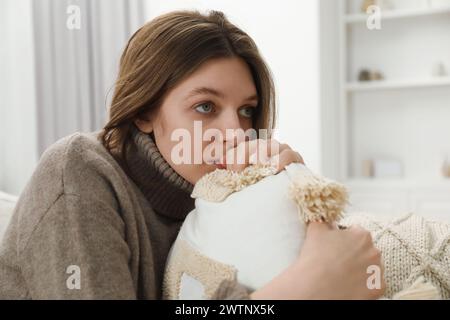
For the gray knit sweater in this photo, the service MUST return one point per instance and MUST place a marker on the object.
(84, 229)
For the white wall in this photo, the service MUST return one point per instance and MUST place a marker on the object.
(329, 87)
(18, 153)
(287, 35)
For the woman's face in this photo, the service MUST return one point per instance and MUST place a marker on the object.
(221, 94)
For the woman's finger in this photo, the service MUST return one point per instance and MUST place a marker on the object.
(285, 158)
(251, 152)
(262, 151)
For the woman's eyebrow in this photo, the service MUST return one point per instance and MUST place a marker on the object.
(206, 90)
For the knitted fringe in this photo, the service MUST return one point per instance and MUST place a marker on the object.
(216, 186)
(318, 198)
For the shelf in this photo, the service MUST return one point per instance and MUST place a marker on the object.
(442, 183)
(398, 14)
(397, 84)
(418, 33)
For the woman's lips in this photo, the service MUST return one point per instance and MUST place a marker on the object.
(217, 164)
(221, 166)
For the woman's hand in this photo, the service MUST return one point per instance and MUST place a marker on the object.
(260, 151)
(332, 265)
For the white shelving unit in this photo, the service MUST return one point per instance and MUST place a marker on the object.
(399, 14)
(398, 84)
(404, 117)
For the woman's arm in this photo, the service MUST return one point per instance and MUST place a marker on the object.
(77, 251)
(332, 265)
(67, 238)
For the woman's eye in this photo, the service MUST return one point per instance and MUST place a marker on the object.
(204, 108)
(247, 112)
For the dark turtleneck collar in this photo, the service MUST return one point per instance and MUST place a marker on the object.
(168, 193)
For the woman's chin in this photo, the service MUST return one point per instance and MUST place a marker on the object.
(200, 171)
(207, 168)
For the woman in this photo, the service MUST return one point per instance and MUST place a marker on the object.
(102, 210)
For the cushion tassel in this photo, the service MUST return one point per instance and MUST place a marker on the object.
(318, 198)
(419, 290)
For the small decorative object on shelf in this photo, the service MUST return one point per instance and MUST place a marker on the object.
(368, 75)
(364, 75)
(367, 3)
(376, 76)
(367, 168)
(439, 70)
(446, 168)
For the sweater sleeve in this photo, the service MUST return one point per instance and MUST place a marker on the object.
(78, 251)
(231, 290)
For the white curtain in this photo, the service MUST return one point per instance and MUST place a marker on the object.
(75, 67)
(55, 80)
(18, 151)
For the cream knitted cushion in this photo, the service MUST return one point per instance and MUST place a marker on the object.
(250, 226)
(411, 248)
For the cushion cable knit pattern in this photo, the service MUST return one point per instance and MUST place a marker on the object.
(412, 248)
(80, 209)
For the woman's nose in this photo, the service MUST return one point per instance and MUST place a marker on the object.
(230, 126)
(230, 122)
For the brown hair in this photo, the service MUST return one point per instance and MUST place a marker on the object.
(166, 50)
